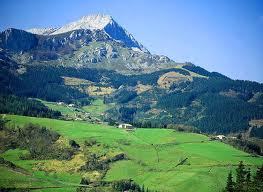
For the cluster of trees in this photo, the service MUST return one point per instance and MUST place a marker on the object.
(183, 128)
(94, 163)
(245, 145)
(245, 182)
(12, 104)
(149, 124)
(128, 185)
(39, 141)
(114, 186)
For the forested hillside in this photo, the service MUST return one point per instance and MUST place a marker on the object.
(212, 103)
(147, 90)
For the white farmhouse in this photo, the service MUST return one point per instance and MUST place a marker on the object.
(125, 126)
(221, 137)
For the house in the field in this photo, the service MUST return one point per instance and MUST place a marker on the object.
(126, 126)
(220, 137)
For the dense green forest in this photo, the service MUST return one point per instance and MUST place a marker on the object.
(23, 106)
(201, 103)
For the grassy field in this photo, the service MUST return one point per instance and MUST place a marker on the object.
(32, 178)
(64, 109)
(153, 157)
(95, 109)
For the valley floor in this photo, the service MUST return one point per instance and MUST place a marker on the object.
(160, 159)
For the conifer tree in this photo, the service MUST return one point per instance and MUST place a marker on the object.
(142, 188)
(230, 183)
(241, 175)
(258, 179)
(248, 179)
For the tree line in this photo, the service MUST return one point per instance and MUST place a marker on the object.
(245, 181)
(12, 104)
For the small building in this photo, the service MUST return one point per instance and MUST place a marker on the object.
(233, 137)
(221, 137)
(60, 103)
(125, 126)
(71, 105)
(78, 119)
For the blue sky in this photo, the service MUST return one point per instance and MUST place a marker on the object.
(220, 35)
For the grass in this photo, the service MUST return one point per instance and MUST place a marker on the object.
(97, 107)
(33, 178)
(64, 109)
(153, 155)
(37, 179)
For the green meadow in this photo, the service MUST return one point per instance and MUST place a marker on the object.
(64, 109)
(95, 109)
(160, 159)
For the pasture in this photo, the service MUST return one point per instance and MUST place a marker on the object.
(160, 159)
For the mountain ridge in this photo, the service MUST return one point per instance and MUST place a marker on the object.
(95, 22)
(81, 48)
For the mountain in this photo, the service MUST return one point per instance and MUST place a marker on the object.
(95, 22)
(95, 41)
(95, 57)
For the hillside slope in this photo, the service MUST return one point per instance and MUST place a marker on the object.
(153, 157)
(96, 57)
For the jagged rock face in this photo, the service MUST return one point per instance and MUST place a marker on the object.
(17, 40)
(70, 40)
(117, 32)
(95, 22)
(93, 41)
(48, 47)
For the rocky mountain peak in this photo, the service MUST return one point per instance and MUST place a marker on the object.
(96, 22)
(91, 22)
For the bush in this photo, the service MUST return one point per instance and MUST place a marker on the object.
(183, 128)
(73, 144)
(90, 142)
(126, 185)
(93, 164)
